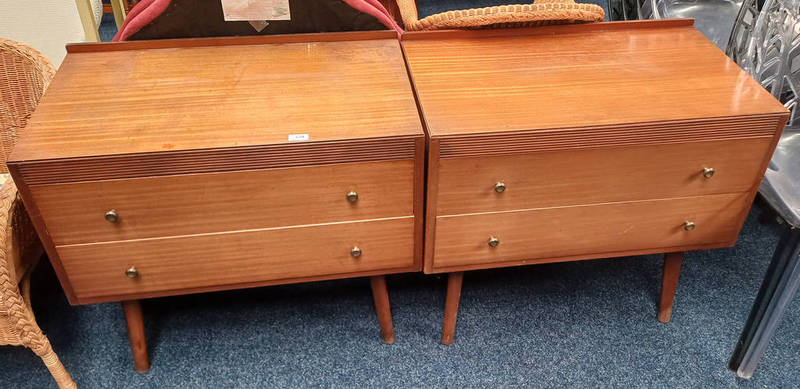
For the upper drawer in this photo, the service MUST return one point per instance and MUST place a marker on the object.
(562, 178)
(215, 202)
(594, 231)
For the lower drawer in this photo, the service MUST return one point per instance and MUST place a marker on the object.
(97, 272)
(592, 231)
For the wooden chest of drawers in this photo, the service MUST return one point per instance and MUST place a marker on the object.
(588, 141)
(171, 167)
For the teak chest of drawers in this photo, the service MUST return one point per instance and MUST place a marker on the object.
(588, 141)
(181, 166)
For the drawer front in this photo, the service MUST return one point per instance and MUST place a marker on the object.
(547, 234)
(217, 202)
(170, 265)
(563, 178)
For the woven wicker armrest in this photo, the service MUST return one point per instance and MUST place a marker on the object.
(541, 12)
(19, 249)
(21, 245)
(24, 76)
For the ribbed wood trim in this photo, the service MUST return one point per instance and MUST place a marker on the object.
(215, 160)
(608, 136)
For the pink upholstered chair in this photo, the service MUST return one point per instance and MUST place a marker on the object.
(160, 19)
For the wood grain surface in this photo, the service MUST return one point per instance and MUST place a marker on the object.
(575, 76)
(228, 161)
(589, 127)
(172, 265)
(149, 100)
(218, 202)
(545, 235)
(591, 176)
(95, 47)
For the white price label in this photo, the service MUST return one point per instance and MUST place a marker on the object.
(247, 10)
(298, 137)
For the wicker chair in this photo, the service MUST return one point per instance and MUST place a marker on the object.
(24, 75)
(539, 13)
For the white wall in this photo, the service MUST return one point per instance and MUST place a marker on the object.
(47, 25)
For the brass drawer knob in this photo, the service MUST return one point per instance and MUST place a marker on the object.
(708, 172)
(493, 241)
(355, 252)
(112, 216)
(500, 187)
(688, 226)
(131, 272)
(352, 196)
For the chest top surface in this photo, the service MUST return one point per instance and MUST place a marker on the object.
(471, 82)
(145, 97)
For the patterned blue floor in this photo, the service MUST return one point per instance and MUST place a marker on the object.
(107, 28)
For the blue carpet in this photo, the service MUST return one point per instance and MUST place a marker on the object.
(580, 324)
(108, 28)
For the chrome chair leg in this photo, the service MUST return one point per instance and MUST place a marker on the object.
(779, 287)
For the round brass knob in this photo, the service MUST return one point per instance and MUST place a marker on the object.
(352, 196)
(131, 272)
(500, 187)
(112, 216)
(355, 252)
(493, 241)
(688, 226)
(708, 172)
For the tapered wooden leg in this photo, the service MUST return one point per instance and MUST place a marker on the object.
(669, 283)
(381, 296)
(133, 315)
(454, 281)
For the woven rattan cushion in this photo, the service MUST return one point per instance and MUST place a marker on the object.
(541, 12)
